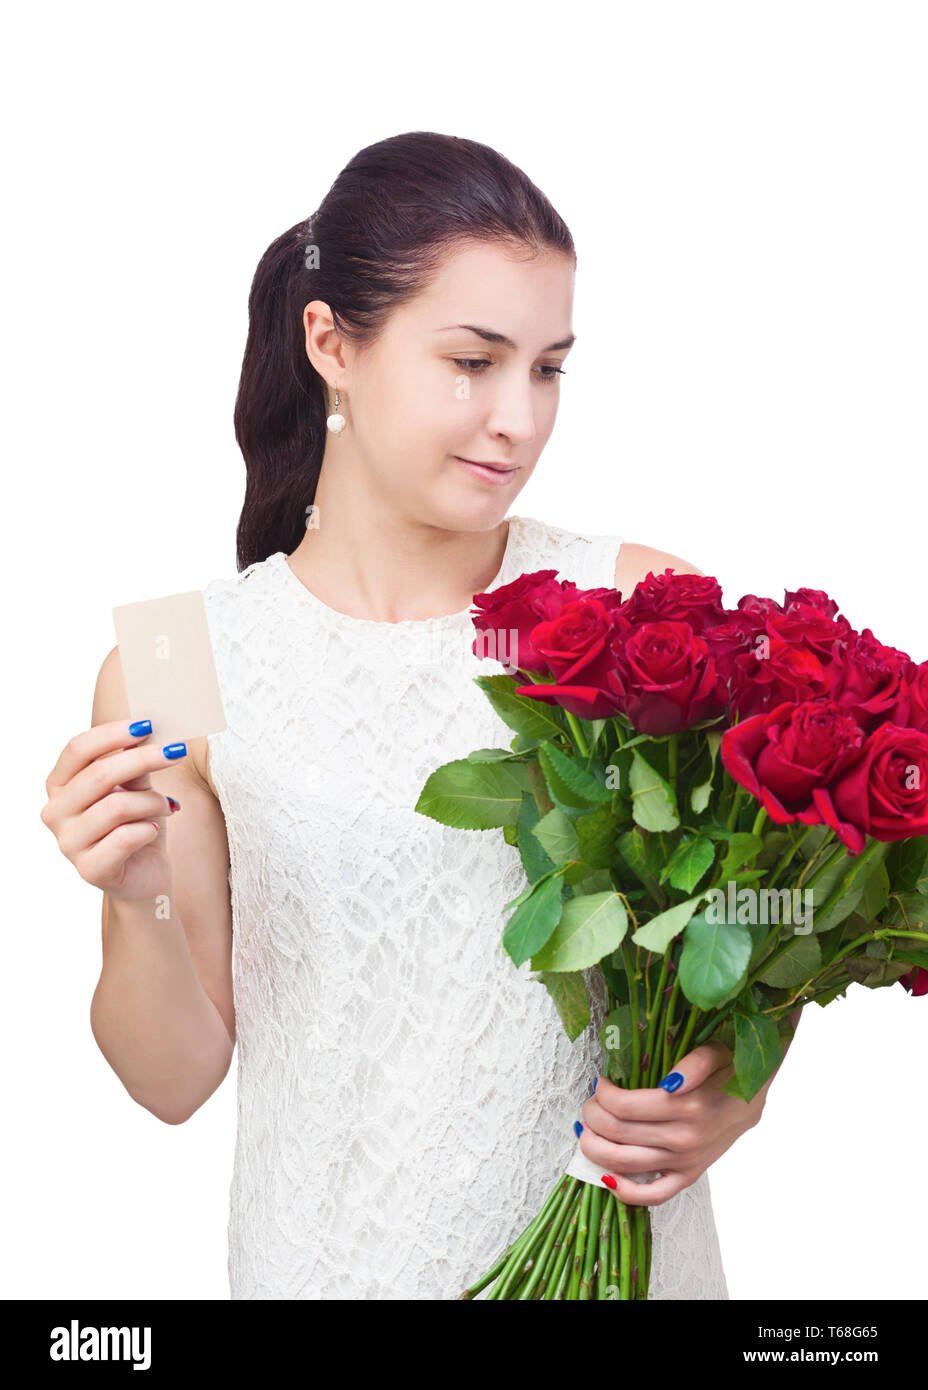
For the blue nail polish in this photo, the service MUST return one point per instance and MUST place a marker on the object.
(578, 1128)
(595, 1079)
(672, 1081)
(141, 726)
(174, 750)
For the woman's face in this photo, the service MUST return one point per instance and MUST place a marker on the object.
(430, 391)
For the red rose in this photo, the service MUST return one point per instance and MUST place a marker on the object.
(911, 706)
(884, 793)
(868, 677)
(916, 981)
(518, 607)
(784, 755)
(680, 598)
(775, 671)
(807, 626)
(575, 646)
(664, 677)
(790, 656)
(813, 598)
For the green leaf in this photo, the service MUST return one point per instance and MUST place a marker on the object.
(798, 963)
(908, 910)
(688, 863)
(642, 854)
(511, 835)
(534, 719)
(616, 1038)
(568, 781)
(911, 956)
(654, 805)
(657, 934)
(556, 834)
(742, 847)
(831, 877)
(873, 974)
(876, 893)
(534, 860)
(474, 796)
(596, 837)
(714, 959)
(839, 992)
(491, 755)
(593, 880)
(534, 919)
(568, 990)
(699, 796)
(596, 728)
(758, 1053)
(907, 862)
(591, 926)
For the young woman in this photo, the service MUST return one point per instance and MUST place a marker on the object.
(405, 1097)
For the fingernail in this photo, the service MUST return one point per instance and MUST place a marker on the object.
(174, 805)
(141, 726)
(593, 1084)
(610, 1181)
(156, 825)
(174, 750)
(578, 1128)
(672, 1081)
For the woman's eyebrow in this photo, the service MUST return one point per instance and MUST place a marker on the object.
(492, 337)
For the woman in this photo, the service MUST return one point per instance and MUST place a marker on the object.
(405, 1097)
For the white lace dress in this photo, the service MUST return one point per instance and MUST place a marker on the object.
(406, 1096)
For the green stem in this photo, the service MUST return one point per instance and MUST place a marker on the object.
(737, 801)
(518, 1246)
(668, 1020)
(823, 858)
(859, 862)
(787, 855)
(527, 1289)
(625, 1251)
(684, 1044)
(560, 1272)
(655, 1013)
(577, 732)
(614, 1279)
(759, 821)
(573, 1287)
(640, 1219)
(632, 973)
(592, 1244)
(605, 1246)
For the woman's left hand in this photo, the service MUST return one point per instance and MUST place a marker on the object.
(676, 1133)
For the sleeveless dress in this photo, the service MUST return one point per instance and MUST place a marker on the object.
(406, 1096)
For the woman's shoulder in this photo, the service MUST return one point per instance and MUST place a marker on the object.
(600, 557)
(635, 561)
(237, 607)
(242, 587)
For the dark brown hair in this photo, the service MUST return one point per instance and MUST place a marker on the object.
(381, 231)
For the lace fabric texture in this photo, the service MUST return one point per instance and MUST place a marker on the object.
(406, 1096)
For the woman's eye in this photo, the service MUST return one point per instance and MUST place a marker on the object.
(476, 365)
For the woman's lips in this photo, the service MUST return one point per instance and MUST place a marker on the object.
(497, 476)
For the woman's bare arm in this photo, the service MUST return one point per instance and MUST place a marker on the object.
(162, 1012)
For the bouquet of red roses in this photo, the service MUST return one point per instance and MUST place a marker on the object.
(724, 812)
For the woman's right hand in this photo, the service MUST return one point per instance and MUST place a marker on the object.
(105, 814)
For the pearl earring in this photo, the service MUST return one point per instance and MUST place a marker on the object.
(336, 422)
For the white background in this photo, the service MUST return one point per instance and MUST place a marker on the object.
(745, 184)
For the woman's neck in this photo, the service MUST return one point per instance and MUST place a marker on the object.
(361, 557)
